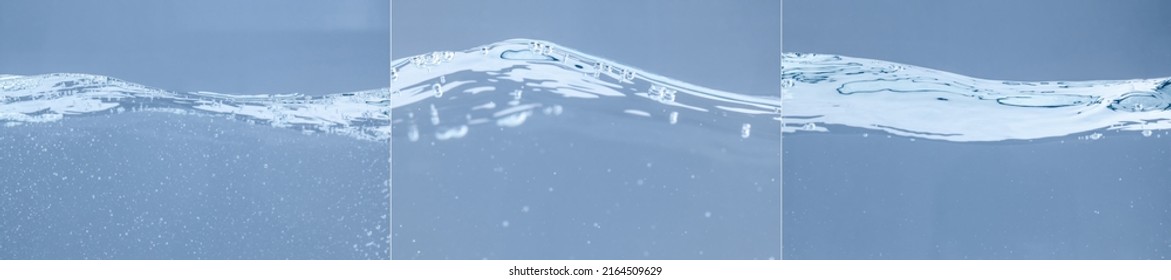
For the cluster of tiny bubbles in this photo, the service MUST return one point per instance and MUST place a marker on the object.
(745, 130)
(554, 110)
(787, 83)
(516, 94)
(433, 58)
(627, 75)
(434, 115)
(891, 68)
(541, 48)
(438, 90)
(666, 94)
(809, 126)
(1094, 136)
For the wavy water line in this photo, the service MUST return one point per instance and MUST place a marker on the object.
(53, 97)
(820, 90)
(555, 75)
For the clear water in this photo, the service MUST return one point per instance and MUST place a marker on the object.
(892, 161)
(99, 168)
(525, 149)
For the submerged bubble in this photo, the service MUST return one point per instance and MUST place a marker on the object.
(809, 127)
(662, 93)
(1147, 133)
(484, 50)
(674, 118)
(787, 83)
(438, 89)
(413, 133)
(393, 74)
(434, 115)
(745, 130)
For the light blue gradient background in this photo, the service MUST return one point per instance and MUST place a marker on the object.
(243, 47)
(995, 39)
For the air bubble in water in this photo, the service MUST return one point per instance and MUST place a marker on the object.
(393, 74)
(745, 130)
(484, 50)
(438, 90)
(434, 115)
(443, 79)
(809, 126)
(674, 117)
(598, 69)
(413, 133)
(787, 83)
(448, 56)
(1147, 133)
(627, 75)
(1095, 136)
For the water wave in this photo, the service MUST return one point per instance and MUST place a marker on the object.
(53, 97)
(504, 84)
(820, 89)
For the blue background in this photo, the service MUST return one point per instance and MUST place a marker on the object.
(266, 46)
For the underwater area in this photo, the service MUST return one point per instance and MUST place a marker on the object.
(892, 161)
(525, 149)
(100, 168)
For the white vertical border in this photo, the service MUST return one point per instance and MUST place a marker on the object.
(781, 171)
(390, 138)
